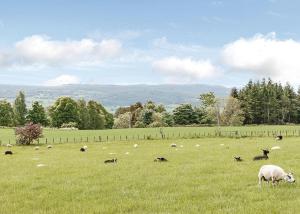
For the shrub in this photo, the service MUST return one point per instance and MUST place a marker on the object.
(69, 125)
(28, 133)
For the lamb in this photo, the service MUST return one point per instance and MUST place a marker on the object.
(262, 157)
(275, 174)
(275, 148)
(160, 159)
(173, 145)
(238, 158)
(279, 137)
(49, 146)
(8, 152)
(114, 160)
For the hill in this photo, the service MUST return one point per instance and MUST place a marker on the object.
(112, 96)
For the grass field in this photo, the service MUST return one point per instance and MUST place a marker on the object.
(202, 179)
(57, 136)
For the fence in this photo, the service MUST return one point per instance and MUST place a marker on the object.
(161, 136)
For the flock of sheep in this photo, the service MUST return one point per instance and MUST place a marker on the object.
(266, 173)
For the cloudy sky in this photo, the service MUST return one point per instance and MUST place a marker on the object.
(224, 42)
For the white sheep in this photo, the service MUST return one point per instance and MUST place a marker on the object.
(85, 147)
(173, 145)
(135, 145)
(8, 145)
(275, 148)
(49, 146)
(36, 148)
(275, 174)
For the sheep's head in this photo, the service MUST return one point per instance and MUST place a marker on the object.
(266, 151)
(289, 178)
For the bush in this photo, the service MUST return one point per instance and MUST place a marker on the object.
(69, 125)
(28, 133)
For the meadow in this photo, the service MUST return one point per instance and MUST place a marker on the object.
(64, 136)
(196, 179)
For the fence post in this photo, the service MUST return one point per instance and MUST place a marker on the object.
(87, 139)
(99, 138)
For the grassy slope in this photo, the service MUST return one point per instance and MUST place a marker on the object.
(201, 179)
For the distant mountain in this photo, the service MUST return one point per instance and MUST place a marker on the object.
(113, 96)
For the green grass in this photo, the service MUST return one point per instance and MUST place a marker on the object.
(56, 135)
(202, 179)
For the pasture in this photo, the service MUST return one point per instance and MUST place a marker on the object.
(196, 179)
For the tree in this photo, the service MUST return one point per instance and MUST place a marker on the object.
(83, 114)
(37, 114)
(211, 106)
(64, 110)
(147, 116)
(96, 116)
(185, 115)
(122, 121)
(232, 114)
(27, 134)
(6, 113)
(20, 109)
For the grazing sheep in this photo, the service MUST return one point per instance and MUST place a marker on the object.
(85, 147)
(160, 159)
(221, 144)
(8, 145)
(36, 148)
(40, 165)
(238, 159)
(135, 145)
(181, 146)
(82, 149)
(275, 174)
(8, 152)
(279, 137)
(197, 145)
(49, 147)
(275, 148)
(114, 160)
(173, 145)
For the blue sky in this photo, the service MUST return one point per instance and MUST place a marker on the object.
(220, 42)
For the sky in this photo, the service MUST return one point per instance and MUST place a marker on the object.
(217, 42)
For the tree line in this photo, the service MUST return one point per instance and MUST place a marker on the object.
(260, 102)
(64, 113)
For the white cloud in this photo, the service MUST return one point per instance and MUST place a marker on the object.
(185, 69)
(265, 56)
(62, 80)
(38, 50)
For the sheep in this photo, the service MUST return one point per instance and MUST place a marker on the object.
(8, 152)
(275, 148)
(238, 158)
(114, 160)
(135, 145)
(85, 147)
(197, 145)
(36, 148)
(173, 145)
(275, 174)
(8, 145)
(49, 146)
(82, 149)
(279, 137)
(262, 157)
(160, 159)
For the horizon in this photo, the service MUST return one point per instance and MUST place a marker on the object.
(53, 43)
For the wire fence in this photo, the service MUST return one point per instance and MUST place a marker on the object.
(160, 136)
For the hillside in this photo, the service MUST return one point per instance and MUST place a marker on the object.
(113, 96)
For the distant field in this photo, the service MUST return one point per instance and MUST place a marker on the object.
(63, 136)
(202, 179)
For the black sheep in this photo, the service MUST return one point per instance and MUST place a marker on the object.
(8, 152)
(114, 160)
(279, 137)
(82, 149)
(238, 158)
(160, 159)
(262, 157)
